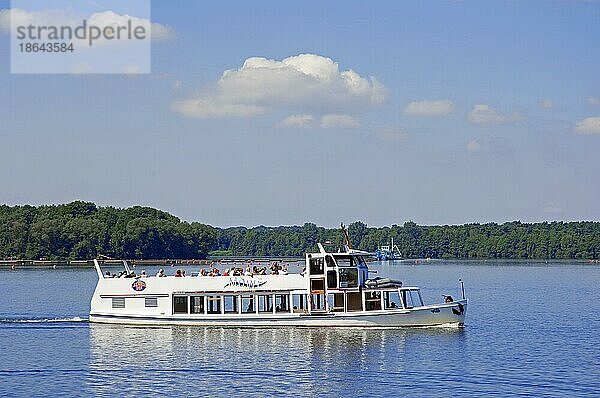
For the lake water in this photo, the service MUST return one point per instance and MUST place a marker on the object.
(531, 330)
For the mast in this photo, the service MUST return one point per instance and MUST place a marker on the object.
(346, 237)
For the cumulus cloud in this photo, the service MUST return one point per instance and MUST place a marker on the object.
(546, 104)
(297, 121)
(110, 18)
(303, 82)
(588, 126)
(341, 121)
(429, 108)
(102, 19)
(206, 108)
(484, 114)
(593, 101)
(325, 122)
(488, 145)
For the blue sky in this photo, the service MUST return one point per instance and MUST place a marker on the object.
(504, 122)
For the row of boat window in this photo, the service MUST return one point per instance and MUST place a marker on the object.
(285, 303)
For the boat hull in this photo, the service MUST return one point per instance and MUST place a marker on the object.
(449, 314)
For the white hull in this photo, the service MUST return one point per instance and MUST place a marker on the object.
(432, 315)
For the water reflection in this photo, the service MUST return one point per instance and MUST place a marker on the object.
(252, 361)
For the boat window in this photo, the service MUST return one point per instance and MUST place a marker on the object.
(282, 303)
(416, 295)
(329, 261)
(180, 305)
(373, 301)
(354, 301)
(151, 302)
(248, 303)
(316, 266)
(317, 285)
(231, 304)
(197, 304)
(318, 302)
(348, 277)
(344, 261)
(411, 298)
(335, 302)
(213, 304)
(299, 302)
(391, 300)
(265, 303)
(359, 261)
(331, 279)
(118, 302)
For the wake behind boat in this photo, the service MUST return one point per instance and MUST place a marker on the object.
(333, 290)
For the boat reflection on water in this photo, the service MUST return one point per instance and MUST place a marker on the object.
(258, 361)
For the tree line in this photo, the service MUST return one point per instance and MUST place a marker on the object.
(82, 230)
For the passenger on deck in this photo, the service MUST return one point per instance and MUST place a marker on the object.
(107, 274)
(275, 268)
(226, 272)
(259, 271)
(143, 274)
(203, 272)
(161, 273)
(178, 273)
(248, 271)
(183, 273)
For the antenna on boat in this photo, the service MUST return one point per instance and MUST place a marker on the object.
(346, 236)
(462, 287)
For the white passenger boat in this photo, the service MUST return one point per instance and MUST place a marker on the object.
(333, 290)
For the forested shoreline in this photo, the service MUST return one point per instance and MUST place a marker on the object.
(82, 230)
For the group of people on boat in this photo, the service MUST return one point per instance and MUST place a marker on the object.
(275, 268)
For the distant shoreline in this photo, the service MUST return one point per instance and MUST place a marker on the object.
(84, 230)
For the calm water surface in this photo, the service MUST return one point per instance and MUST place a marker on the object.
(531, 330)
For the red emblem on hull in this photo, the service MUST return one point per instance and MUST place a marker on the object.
(138, 285)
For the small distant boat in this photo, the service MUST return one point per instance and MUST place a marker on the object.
(388, 252)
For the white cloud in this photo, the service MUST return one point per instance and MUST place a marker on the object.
(110, 18)
(587, 126)
(546, 104)
(206, 108)
(339, 121)
(474, 146)
(489, 145)
(303, 83)
(297, 121)
(484, 114)
(325, 122)
(593, 101)
(429, 108)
